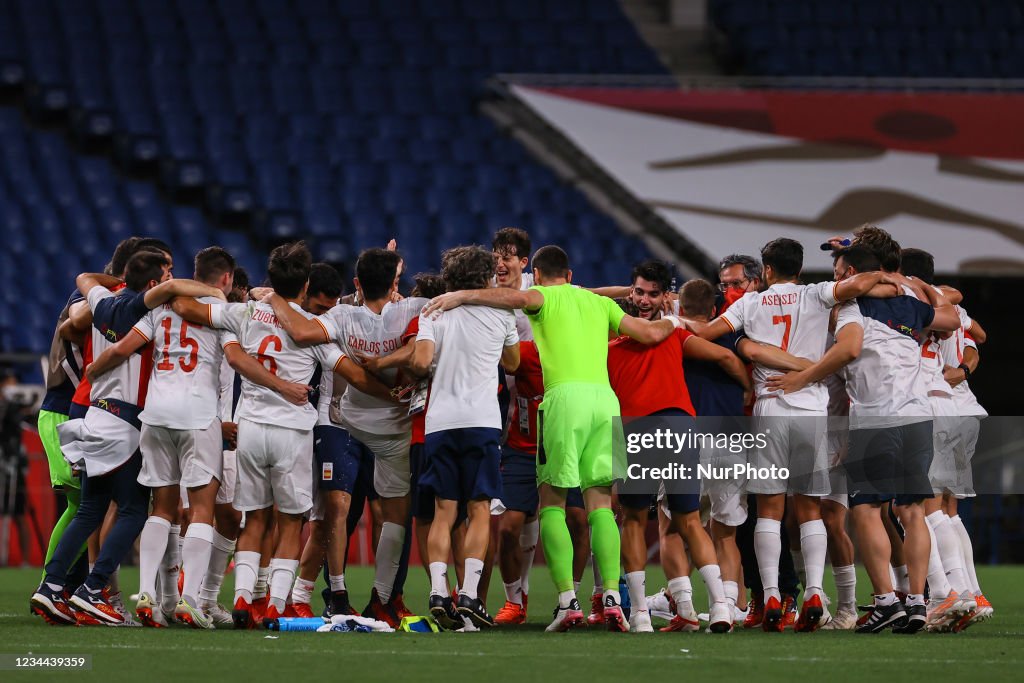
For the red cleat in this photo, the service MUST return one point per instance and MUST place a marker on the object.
(773, 616)
(596, 615)
(788, 612)
(681, 624)
(755, 614)
(615, 620)
(400, 609)
(810, 615)
(241, 615)
(258, 607)
(302, 610)
(381, 611)
(510, 615)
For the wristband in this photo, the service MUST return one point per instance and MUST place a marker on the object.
(967, 371)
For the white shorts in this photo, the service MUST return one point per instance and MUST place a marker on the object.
(726, 495)
(964, 443)
(391, 475)
(275, 467)
(795, 440)
(189, 457)
(98, 443)
(945, 424)
(226, 492)
(838, 446)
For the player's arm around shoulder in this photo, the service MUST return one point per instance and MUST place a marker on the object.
(530, 300)
(702, 349)
(303, 331)
(357, 376)
(648, 331)
(116, 354)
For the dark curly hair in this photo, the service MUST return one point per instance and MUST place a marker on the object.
(885, 248)
(467, 268)
(428, 285)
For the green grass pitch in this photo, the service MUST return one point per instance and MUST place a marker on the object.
(992, 651)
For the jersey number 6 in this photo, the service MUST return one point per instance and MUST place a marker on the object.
(261, 355)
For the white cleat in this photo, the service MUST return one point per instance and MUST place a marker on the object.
(640, 622)
(566, 618)
(193, 617)
(844, 619)
(217, 615)
(659, 605)
(720, 618)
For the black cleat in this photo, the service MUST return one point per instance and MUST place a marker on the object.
(892, 616)
(917, 615)
(444, 613)
(340, 604)
(474, 610)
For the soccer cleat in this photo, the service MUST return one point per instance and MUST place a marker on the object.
(510, 615)
(242, 615)
(755, 614)
(565, 618)
(810, 615)
(149, 612)
(341, 605)
(789, 614)
(218, 615)
(398, 602)
(681, 624)
(773, 615)
(52, 607)
(185, 613)
(302, 610)
(95, 605)
(943, 613)
(984, 606)
(917, 615)
(659, 605)
(257, 608)
(843, 620)
(596, 615)
(443, 610)
(614, 618)
(473, 609)
(880, 618)
(270, 617)
(381, 611)
(640, 622)
(720, 618)
(117, 603)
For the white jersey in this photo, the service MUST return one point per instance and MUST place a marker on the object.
(951, 351)
(883, 381)
(358, 330)
(124, 382)
(184, 387)
(794, 318)
(468, 342)
(226, 397)
(522, 321)
(261, 335)
(933, 383)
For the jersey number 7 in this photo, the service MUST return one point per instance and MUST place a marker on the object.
(788, 321)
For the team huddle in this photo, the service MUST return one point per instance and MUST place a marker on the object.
(480, 416)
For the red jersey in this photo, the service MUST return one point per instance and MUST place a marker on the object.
(522, 431)
(648, 379)
(419, 420)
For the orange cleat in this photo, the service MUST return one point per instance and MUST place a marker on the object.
(810, 615)
(241, 615)
(302, 610)
(511, 614)
(773, 616)
(381, 611)
(596, 615)
(681, 624)
(788, 612)
(755, 614)
(181, 580)
(398, 603)
(258, 607)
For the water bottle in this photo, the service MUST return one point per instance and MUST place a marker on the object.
(295, 624)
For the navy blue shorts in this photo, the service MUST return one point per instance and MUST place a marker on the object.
(680, 503)
(336, 468)
(463, 464)
(889, 463)
(574, 498)
(681, 495)
(422, 501)
(519, 481)
(358, 453)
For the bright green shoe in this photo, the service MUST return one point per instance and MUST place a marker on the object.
(191, 616)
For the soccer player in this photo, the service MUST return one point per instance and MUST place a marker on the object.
(375, 424)
(890, 444)
(463, 426)
(649, 382)
(105, 442)
(793, 317)
(275, 436)
(576, 421)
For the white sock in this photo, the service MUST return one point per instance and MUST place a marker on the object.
(195, 557)
(247, 564)
(915, 599)
(152, 545)
(949, 550)
(527, 551)
(967, 551)
(814, 545)
(712, 575)
(681, 590)
(938, 584)
(473, 569)
(902, 579)
(768, 549)
(636, 583)
(282, 575)
(598, 582)
(170, 568)
(222, 549)
(514, 592)
(337, 582)
(389, 556)
(439, 579)
(302, 591)
(846, 586)
(799, 564)
(885, 599)
(565, 599)
(732, 592)
(262, 579)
